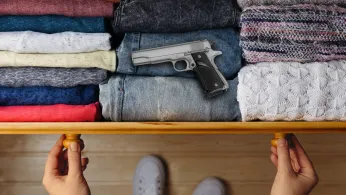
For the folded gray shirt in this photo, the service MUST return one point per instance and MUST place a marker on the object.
(54, 77)
(137, 98)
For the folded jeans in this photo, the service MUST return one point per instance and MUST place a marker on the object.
(174, 15)
(136, 98)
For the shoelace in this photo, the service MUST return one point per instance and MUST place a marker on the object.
(152, 189)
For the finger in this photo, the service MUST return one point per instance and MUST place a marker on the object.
(274, 159)
(302, 158)
(84, 168)
(294, 160)
(63, 162)
(74, 160)
(85, 161)
(274, 150)
(52, 164)
(284, 159)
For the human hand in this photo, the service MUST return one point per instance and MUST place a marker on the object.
(295, 172)
(64, 170)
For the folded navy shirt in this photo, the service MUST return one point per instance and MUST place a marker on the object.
(136, 98)
(52, 24)
(80, 95)
(174, 15)
(225, 40)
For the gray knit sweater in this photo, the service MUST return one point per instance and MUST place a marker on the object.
(55, 77)
(247, 3)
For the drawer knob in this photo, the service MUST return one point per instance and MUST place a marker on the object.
(73, 138)
(277, 136)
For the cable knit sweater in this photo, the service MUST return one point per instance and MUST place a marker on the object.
(293, 91)
(247, 3)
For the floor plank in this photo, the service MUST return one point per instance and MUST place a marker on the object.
(172, 189)
(241, 160)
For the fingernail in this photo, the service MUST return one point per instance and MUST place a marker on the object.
(282, 142)
(74, 146)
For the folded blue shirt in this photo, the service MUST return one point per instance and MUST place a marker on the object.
(225, 40)
(52, 24)
(80, 95)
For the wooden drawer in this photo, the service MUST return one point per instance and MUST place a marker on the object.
(73, 130)
(173, 127)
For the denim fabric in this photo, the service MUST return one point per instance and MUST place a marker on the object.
(135, 98)
(48, 95)
(174, 15)
(225, 40)
(52, 24)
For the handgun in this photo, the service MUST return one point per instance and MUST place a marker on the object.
(199, 57)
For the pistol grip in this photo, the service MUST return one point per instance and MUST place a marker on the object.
(210, 77)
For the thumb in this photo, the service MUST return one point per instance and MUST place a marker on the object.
(74, 159)
(284, 159)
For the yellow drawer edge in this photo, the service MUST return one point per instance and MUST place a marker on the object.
(172, 127)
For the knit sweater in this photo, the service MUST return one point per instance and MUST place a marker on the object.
(301, 33)
(54, 77)
(247, 3)
(293, 91)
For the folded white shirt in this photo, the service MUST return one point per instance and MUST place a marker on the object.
(66, 42)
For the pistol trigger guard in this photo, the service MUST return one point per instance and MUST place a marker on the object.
(188, 67)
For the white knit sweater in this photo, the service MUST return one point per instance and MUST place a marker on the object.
(293, 91)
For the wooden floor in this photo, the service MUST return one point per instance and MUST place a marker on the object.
(242, 161)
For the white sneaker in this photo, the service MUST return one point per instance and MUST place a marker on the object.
(149, 178)
(210, 186)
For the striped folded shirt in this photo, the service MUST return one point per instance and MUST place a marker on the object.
(301, 33)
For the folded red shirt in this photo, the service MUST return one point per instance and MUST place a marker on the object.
(74, 8)
(51, 113)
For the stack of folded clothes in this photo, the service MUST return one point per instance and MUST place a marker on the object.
(158, 92)
(296, 60)
(53, 56)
